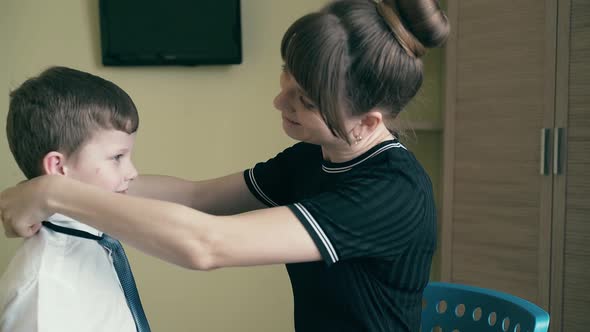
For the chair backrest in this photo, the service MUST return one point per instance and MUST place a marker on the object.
(455, 307)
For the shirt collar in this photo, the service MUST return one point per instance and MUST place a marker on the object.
(330, 167)
(65, 221)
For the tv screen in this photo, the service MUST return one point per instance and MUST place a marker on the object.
(172, 32)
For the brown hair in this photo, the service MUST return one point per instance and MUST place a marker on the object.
(356, 55)
(59, 110)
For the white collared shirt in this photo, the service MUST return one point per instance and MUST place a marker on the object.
(58, 282)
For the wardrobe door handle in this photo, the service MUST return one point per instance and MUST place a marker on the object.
(544, 165)
(557, 150)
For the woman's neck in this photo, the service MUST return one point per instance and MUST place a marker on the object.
(342, 151)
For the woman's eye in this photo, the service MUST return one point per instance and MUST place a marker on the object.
(306, 103)
(117, 157)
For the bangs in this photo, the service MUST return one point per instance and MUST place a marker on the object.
(112, 108)
(314, 50)
(113, 118)
(300, 50)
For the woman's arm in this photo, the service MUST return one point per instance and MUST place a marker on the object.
(221, 196)
(170, 231)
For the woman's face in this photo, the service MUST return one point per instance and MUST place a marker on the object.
(301, 118)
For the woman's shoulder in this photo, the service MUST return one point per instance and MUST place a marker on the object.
(391, 160)
(300, 151)
(384, 157)
(304, 148)
(395, 155)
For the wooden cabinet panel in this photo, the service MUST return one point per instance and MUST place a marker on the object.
(499, 106)
(576, 274)
(513, 68)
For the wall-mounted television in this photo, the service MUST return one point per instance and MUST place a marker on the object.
(171, 32)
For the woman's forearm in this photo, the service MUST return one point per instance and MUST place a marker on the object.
(164, 188)
(168, 231)
(221, 196)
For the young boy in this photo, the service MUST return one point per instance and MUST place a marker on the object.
(71, 277)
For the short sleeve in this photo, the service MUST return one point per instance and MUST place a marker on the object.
(373, 215)
(271, 182)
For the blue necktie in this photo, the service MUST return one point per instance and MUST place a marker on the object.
(122, 268)
(127, 281)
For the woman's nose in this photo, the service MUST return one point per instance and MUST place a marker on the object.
(279, 101)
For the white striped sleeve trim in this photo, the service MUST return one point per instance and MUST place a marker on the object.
(316, 227)
(258, 190)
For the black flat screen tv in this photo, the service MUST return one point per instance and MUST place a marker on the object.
(171, 32)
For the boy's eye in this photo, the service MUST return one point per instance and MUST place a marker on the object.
(117, 157)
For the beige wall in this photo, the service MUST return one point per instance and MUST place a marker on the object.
(196, 122)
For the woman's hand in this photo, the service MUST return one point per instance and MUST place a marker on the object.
(23, 207)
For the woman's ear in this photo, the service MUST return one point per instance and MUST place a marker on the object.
(371, 121)
(54, 163)
(367, 125)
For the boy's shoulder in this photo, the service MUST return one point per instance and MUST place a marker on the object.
(29, 260)
(46, 278)
(26, 263)
(23, 270)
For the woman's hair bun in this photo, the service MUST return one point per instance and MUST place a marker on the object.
(424, 19)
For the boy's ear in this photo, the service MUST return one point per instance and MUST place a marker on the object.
(54, 163)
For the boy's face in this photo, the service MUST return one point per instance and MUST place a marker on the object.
(104, 161)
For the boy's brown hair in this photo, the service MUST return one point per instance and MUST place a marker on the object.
(59, 110)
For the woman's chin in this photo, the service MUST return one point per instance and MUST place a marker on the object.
(292, 132)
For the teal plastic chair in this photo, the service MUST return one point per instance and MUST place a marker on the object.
(455, 307)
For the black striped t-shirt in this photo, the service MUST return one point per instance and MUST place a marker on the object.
(373, 219)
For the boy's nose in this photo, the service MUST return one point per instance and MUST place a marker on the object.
(132, 173)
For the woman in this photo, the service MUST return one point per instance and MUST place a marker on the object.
(348, 209)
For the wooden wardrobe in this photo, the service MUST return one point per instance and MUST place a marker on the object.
(516, 179)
